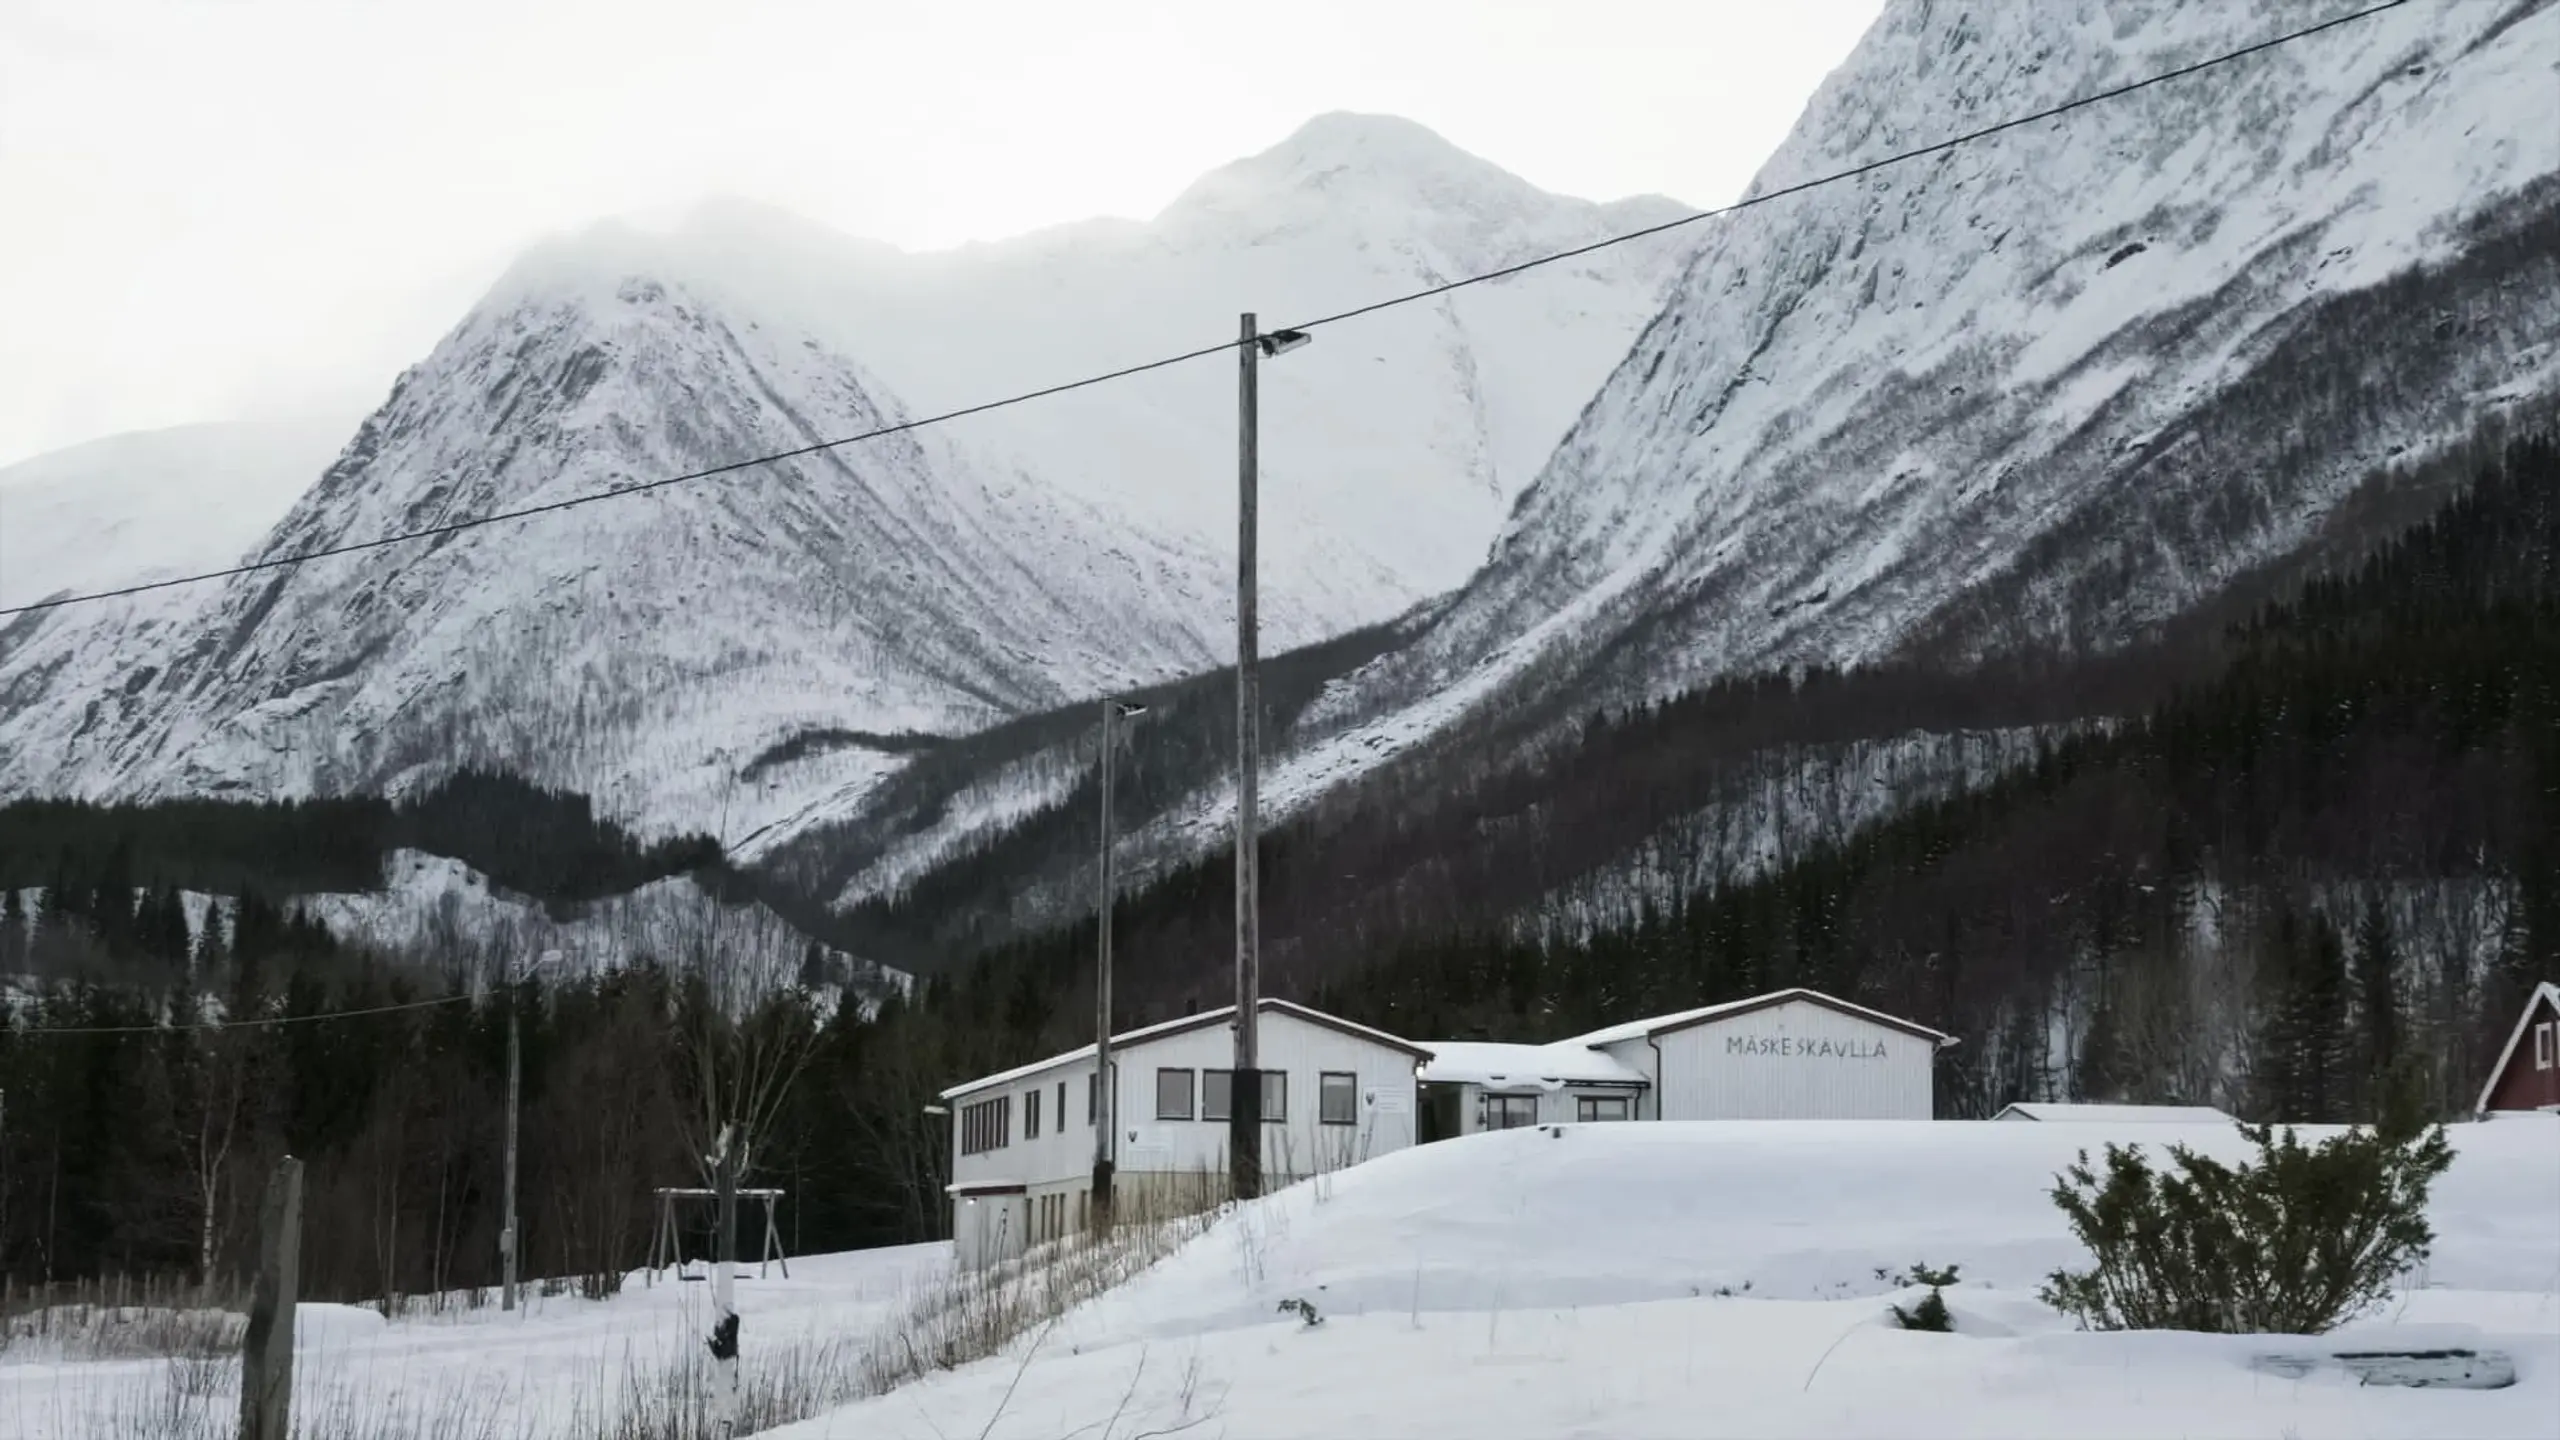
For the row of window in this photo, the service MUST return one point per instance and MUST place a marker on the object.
(1517, 1112)
(1337, 1096)
(988, 1124)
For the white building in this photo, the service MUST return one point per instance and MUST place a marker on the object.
(1022, 1142)
(2114, 1114)
(1789, 1055)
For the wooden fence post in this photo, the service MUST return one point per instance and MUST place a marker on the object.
(266, 1355)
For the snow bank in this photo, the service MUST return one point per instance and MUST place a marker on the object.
(1572, 1281)
(1585, 1215)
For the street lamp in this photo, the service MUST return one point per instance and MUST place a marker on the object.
(1113, 710)
(1244, 1094)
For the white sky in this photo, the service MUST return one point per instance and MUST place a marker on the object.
(229, 208)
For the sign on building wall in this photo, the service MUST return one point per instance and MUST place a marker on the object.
(1791, 1047)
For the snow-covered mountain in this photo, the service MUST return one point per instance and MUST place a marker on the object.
(153, 503)
(647, 650)
(1391, 448)
(2046, 389)
(752, 650)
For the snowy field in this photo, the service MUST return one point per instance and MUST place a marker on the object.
(548, 1370)
(1605, 1281)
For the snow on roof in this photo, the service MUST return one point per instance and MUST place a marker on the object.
(1221, 1015)
(2116, 1114)
(2545, 993)
(1639, 1029)
(1475, 1062)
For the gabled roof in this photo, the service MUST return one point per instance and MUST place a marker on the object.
(2545, 993)
(1661, 1025)
(1567, 1062)
(1224, 1014)
(2116, 1114)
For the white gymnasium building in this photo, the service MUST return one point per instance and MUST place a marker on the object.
(1336, 1093)
(1333, 1094)
(1788, 1055)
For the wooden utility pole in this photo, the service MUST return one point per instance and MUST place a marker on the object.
(1244, 1087)
(266, 1353)
(724, 1289)
(515, 1084)
(1103, 1119)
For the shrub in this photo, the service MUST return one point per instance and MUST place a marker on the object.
(2295, 1243)
(1931, 1313)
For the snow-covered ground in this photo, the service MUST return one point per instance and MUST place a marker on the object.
(536, 1372)
(1608, 1280)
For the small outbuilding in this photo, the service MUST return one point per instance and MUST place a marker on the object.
(2114, 1114)
(1789, 1055)
(2527, 1075)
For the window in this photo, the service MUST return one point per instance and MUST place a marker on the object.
(1061, 1111)
(1031, 1115)
(1217, 1090)
(1092, 1098)
(2543, 1058)
(1173, 1094)
(987, 1125)
(1338, 1098)
(1601, 1107)
(1510, 1112)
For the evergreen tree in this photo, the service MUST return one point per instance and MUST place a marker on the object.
(111, 905)
(13, 931)
(2378, 991)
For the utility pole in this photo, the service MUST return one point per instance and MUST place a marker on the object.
(1244, 1087)
(266, 1350)
(1105, 1115)
(724, 1289)
(515, 1095)
(508, 1240)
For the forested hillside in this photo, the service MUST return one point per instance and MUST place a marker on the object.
(2329, 846)
(2340, 853)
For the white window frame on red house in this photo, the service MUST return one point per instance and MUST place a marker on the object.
(2543, 1058)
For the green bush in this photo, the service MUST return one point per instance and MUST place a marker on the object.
(2295, 1243)
(1930, 1313)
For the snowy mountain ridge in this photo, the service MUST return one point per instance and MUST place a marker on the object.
(2047, 389)
(152, 504)
(708, 656)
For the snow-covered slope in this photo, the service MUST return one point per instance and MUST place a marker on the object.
(647, 650)
(2043, 389)
(730, 654)
(434, 908)
(153, 503)
(1733, 1279)
(1391, 448)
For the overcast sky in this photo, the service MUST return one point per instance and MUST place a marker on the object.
(233, 208)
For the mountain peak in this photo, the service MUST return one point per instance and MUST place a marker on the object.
(1365, 158)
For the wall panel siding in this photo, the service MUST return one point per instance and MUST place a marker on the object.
(1303, 1145)
(1060, 1160)
(1796, 1061)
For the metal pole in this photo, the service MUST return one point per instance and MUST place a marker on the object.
(515, 1090)
(1244, 1091)
(1103, 1119)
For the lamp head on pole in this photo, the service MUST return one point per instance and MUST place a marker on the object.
(1281, 342)
(1129, 709)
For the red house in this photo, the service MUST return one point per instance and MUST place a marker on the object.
(2527, 1076)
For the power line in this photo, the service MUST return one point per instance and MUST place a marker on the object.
(13, 1031)
(642, 487)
